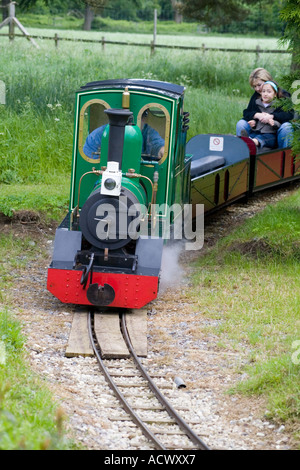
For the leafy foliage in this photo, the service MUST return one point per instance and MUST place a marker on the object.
(216, 12)
(263, 18)
(290, 14)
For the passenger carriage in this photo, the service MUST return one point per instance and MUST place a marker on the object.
(225, 168)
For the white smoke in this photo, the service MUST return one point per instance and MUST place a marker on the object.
(171, 271)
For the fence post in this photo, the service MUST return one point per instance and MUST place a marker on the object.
(152, 48)
(56, 39)
(153, 42)
(12, 21)
(103, 43)
(155, 26)
(257, 52)
(12, 14)
(203, 48)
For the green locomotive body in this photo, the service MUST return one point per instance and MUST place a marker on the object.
(164, 107)
(128, 169)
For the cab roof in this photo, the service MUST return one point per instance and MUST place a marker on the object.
(134, 83)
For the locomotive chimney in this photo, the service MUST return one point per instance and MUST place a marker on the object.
(117, 121)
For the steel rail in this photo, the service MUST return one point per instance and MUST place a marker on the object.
(170, 410)
(145, 430)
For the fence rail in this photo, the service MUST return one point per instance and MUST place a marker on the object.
(152, 45)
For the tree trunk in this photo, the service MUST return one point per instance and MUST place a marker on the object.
(295, 65)
(88, 18)
(177, 13)
(4, 4)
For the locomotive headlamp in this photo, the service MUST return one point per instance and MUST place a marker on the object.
(111, 180)
(110, 184)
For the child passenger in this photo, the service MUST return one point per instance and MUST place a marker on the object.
(257, 78)
(263, 126)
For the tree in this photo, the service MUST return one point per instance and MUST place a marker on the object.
(4, 4)
(131, 10)
(263, 18)
(27, 4)
(290, 14)
(91, 7)
(146, 9)
(177, 9)
(216, 12)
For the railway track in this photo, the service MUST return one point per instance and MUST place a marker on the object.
(170, 421)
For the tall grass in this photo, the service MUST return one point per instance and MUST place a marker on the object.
(184, 34)
(36, 125)
(34, 148)
(48, 75)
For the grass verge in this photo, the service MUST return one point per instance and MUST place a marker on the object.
(249, 285)
(43, 201)
(29, 419)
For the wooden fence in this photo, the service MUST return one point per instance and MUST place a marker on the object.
(152, 45)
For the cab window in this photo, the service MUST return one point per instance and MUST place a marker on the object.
(154, 122)
(92, 117)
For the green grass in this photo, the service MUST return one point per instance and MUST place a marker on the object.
(109, 25)
(36, 22)
(48, 201)
(29, 419)
(213, 111)
(250, 283)
(31, 20)
(36, 128)
(274, 233)
(47, 75)
(34, 148)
